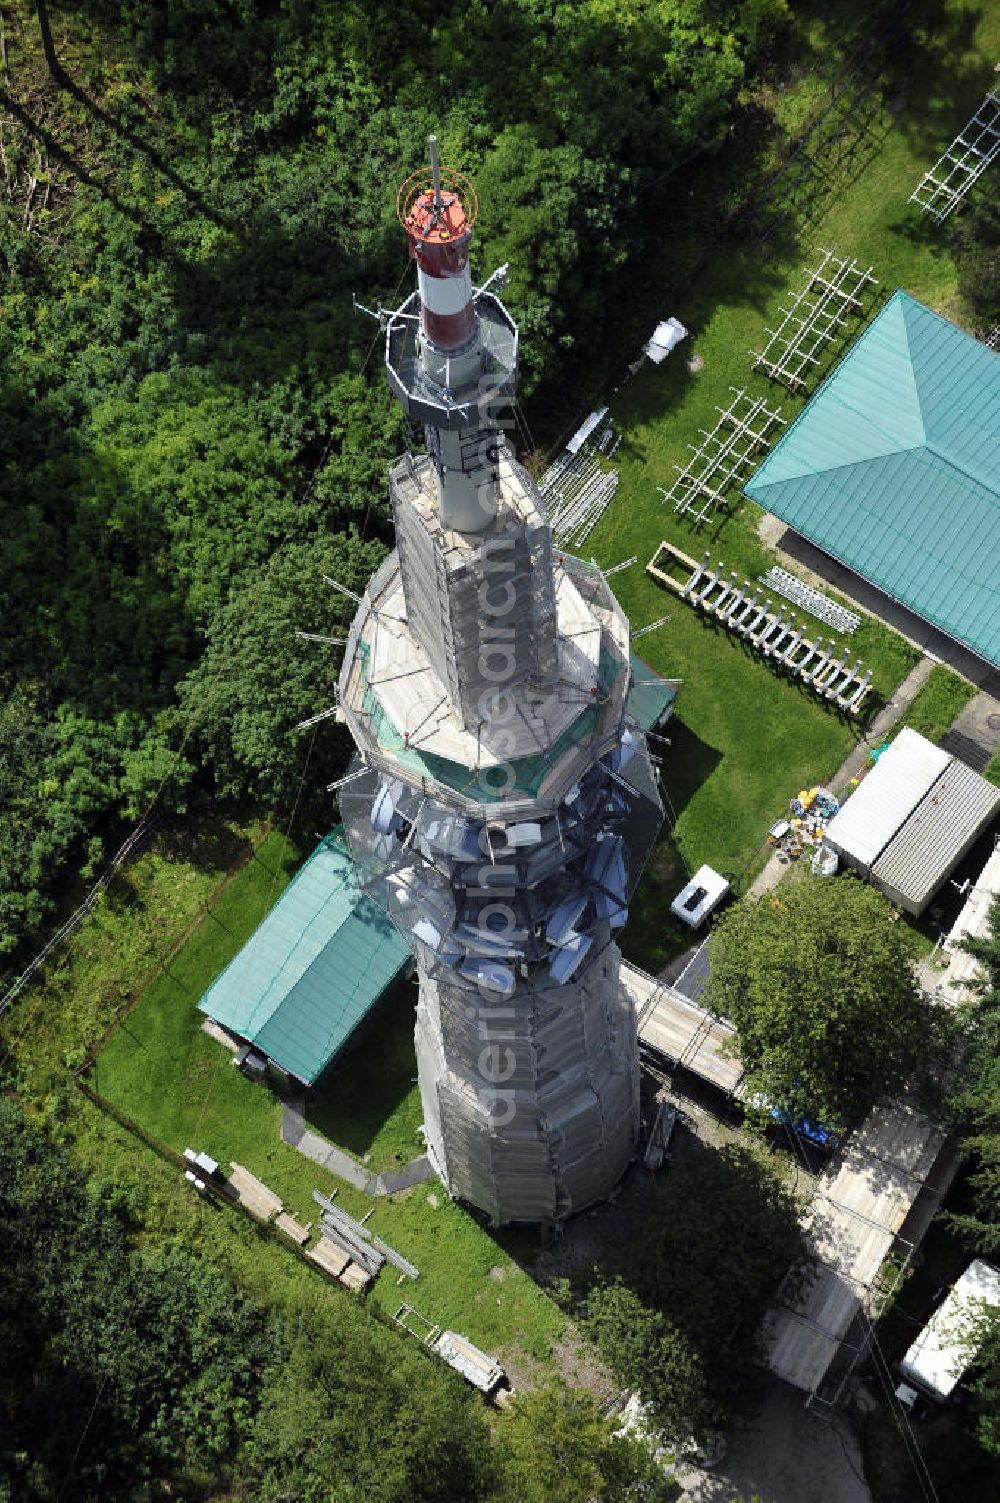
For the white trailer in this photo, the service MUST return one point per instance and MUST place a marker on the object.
(946, 1346)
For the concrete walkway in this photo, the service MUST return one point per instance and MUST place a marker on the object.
(785, 1455)
(974, 735)
(855, 761)
(297, 1135)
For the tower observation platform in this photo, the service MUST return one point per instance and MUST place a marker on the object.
(504, 803)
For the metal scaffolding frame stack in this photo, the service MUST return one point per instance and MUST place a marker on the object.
(726, 456)
(744, 612)
(977, 145)
(818, 312)
(577, 490)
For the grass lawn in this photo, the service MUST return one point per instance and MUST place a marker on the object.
(992, 769)
(177, 1083)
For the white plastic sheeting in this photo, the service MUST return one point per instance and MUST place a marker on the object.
(664, 338)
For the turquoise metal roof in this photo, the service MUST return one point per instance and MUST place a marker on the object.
(650, 696)
(893, 468)
(312, 969)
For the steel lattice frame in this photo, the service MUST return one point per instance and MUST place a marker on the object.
(726, 456)
(818, 312)
(577, 491)
(977, 145)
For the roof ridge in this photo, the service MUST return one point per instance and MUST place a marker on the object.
(905, 301)
(946, 458)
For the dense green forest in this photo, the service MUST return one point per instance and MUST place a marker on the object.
(194, 426)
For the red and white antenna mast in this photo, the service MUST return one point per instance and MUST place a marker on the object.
(451, 349)
(438, 218)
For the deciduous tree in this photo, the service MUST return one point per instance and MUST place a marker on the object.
(817, 980)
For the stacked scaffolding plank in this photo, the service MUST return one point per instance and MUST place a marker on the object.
(818, 314)
(814, 601)
(974, 149)
(577, 491)
(726, 456)
(775, 635)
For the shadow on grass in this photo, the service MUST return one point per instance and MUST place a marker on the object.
(205, 842)
(652, 938)
(368, 1098)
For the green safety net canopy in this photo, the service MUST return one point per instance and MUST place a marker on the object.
(893, 468)
(313, 968)
(650, 696)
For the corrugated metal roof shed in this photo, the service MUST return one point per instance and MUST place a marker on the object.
(312, 969)
(939, 832)
(650, 696)
(901, 777)
(893, 468)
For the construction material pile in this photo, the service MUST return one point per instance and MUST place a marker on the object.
(805, 830)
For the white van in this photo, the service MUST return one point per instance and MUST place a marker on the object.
(946, 1346)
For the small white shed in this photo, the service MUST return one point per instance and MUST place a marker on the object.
(941, 830)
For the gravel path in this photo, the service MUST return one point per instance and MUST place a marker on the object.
(297, 1135)
(785, 1455)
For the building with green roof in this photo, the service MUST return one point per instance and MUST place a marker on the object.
(893, 468)
(313, 968)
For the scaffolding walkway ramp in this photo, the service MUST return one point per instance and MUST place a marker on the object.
(974, 149)
(674, 1028)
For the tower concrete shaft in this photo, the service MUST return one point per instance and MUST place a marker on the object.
(506, 803)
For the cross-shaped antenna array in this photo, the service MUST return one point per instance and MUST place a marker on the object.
(817, 315)
(977, 145)
(726, 456)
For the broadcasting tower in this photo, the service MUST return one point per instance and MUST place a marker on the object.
(504, 804)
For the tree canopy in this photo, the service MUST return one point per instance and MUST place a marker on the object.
(557, 1449)
(818, 982)
(974, 1098)
(166, 1381)
(678, 1321)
